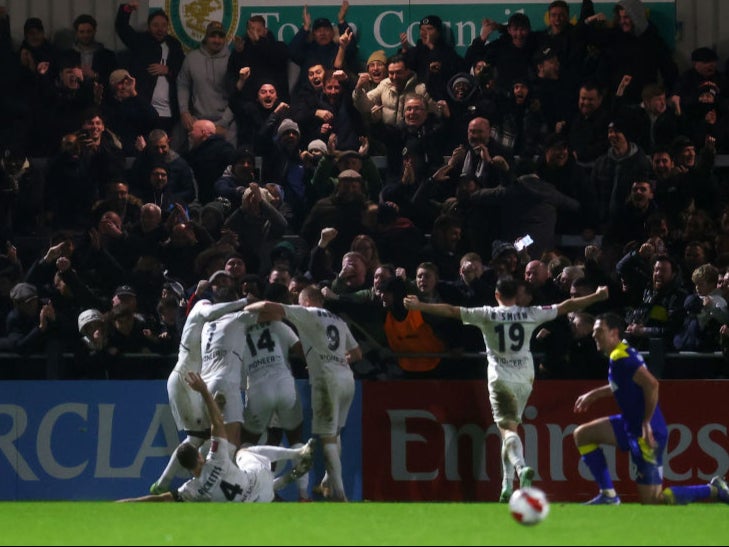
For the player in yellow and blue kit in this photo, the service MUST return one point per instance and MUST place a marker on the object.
(639, 428)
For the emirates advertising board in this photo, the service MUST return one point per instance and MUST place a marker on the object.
(379, 23)
(435, 440)
(404, 441)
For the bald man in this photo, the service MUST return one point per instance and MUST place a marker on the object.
(208, 156)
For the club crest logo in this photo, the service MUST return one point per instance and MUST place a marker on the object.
(190, 17)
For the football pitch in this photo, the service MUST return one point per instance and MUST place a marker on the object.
(362, 523)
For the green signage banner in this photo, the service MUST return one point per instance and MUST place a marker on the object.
(378, 23)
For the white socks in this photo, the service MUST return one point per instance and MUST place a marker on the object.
(275, 453)
(514, 449)
(507, 479)
(334, 471)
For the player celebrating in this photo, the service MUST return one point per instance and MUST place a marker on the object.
(186, 405)
(216, 478)
(329, 348)
(507, 329)
(639, 428)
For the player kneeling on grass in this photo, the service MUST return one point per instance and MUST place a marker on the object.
(217, 478)
(640, 427)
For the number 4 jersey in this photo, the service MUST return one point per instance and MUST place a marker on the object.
(222, 480)
(506, 333)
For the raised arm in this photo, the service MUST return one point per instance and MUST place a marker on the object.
(211, 312)
(196, 382)
(412, 302)
(267, 311)
(580, 302)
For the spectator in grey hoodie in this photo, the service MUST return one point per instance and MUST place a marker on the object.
(201, 84)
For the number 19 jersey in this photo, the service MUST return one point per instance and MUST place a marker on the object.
(506, 333)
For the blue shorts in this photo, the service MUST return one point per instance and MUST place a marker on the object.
(648, 461)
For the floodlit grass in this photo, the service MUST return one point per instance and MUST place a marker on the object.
(107, 523)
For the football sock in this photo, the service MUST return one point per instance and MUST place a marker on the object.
(514, 450)
(507, 479)
(594, 458)
(334, 470)
(275, 453)
(681, 495)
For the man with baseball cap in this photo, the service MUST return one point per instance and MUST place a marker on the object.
(314, 43)
(433, 58)
(29, 324)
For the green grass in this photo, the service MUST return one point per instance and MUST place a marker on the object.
(107, 523)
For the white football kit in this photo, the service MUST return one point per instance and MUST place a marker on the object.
(187, 406)
(326, 339)
(249, 479)
(222, 359)
(507, 332)
(270, 385)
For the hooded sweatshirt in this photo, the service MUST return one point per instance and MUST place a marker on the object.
(636, 11)
(201, 86)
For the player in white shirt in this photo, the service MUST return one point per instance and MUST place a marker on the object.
(186, 405)
(329, 348)
(217, 478)
(222, 344)
(270, 386)
(507, 330)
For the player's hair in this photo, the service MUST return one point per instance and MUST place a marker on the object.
(507, 288)
(613, 321)
(313, 294)
(224, 294)
(187, 456)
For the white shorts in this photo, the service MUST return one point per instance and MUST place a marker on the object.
(279, 398)
(330, 402)
(233, 409)
(186, 404)
(259, 469)
(508, 400)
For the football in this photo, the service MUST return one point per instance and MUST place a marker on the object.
(529, 505)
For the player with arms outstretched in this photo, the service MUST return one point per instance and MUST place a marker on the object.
(507, 330)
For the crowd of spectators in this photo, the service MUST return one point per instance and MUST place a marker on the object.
(420, 172)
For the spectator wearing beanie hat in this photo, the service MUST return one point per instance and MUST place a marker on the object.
(237, 176)
(376, 68)
(287, 126)
(433, 58)
(285, 166)
(615, 171)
